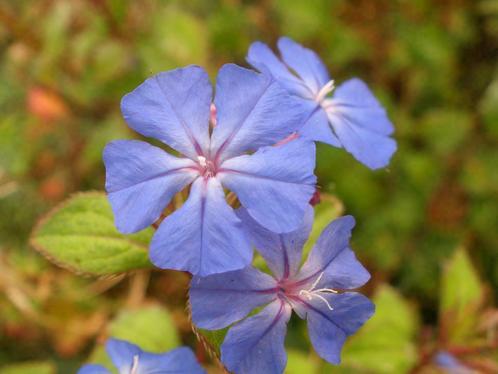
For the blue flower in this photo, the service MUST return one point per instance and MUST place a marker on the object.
(256, 344)
(274, 183)
(351, 118)
(130, 359)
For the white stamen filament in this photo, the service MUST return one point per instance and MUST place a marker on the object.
(134, 367)
(309, 294)
(325, 90)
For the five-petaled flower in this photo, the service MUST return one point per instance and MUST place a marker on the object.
(274, 183)
(130, 359)
(256, 344)
(351, 118)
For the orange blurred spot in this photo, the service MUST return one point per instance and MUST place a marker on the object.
(53, 188)
(46, 105)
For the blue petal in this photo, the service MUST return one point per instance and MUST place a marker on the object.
(262, 58)
(253, 110)
(204, 236)
(222, 299)
(282, 252)
(304, 62)
(361, 124)
(328, 329)
(173, 107)
(274, 184)
(180, 360)
(256, 345)
(318, 129)
(141, 180)
(122, 353)
(333, 260)
(93, 369)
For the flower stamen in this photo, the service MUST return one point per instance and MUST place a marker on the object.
(311, 292)
(134, 367)
(325, 90)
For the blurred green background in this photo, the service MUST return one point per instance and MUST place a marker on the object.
(427, 225)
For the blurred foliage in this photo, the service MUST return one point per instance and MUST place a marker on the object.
(432, 215)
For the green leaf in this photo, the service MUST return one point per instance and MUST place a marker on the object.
(29, 368)
(299, 362)
(151, 328)
(79, 235)
(329, 209)
(386, 343)
(461, 298)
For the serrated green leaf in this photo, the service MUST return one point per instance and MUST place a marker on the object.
(461, 298)
(151, 328)
(29, 368)
(80, 235)
(386, 343)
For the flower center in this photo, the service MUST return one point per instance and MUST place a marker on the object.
(324, 91)
(207, 168)
(312, 292)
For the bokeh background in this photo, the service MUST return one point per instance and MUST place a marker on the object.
(427, 225)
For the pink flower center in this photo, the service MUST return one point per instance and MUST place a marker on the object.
(207, 168)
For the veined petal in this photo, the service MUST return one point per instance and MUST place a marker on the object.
(122, 354)
(304, 62)
(93, 369)
(317, 128)
(252, 110)
(262, 58)
(332, 260)
(173, 107)
(181, 361)
(204, 236)
(256, 345)
(361, 124)
(141, 180)
(221, 299)
(274, 184)
(282, 252)
(328, 329)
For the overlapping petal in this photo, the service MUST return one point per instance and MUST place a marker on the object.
(305, 63)
(173, 107)
(204, 236)
(328, 329)
(141, 180)
(122, 354)
(274, 184)
(221, 299)
(252, 110)
(361, 124)
(333, 260)
(282, 252)
(179, 361)
(256, 345)
(317, 128)
(262, 58)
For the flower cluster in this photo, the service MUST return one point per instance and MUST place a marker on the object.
(255, 138)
